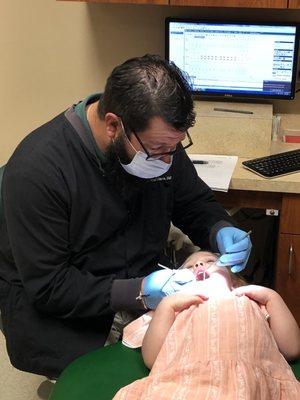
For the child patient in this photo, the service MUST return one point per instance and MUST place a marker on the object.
(223, 343)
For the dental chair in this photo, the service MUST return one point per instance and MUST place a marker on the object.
(99, 374)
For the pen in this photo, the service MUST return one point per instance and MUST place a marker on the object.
(232, 110)
(200, 162)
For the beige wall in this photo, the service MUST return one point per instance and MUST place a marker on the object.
(54, 53)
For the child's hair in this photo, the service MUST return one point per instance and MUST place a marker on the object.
(237, 280)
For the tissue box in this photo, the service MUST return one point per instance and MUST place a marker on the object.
(243, 129)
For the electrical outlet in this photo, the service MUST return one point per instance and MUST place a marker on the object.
(272, 212)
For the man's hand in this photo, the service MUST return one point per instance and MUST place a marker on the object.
(235, 246)
(162, 283)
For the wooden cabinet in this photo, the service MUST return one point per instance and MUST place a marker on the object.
(294, 4)
(287, 281)
(161, 2)
(288, 272)
(290, 214)
(233, 3)
(206, 3)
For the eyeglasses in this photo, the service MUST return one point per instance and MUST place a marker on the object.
(187, 142)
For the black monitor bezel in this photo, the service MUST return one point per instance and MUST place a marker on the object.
(228, 96)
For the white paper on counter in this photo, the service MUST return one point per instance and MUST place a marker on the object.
(217, 170)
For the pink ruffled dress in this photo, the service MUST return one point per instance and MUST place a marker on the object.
(222, 349)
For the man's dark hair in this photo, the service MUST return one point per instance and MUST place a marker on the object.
(146, 87)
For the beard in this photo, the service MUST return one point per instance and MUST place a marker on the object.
(116, 175)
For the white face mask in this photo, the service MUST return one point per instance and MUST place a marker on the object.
(143, 168)
(147, 169)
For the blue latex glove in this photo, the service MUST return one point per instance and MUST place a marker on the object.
(235, 247)
(164, 282)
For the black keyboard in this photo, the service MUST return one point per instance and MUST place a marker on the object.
(275, 165)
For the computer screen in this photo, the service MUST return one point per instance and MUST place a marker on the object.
(230, 59)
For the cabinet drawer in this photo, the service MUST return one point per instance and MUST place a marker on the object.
(294, 4)
(290, 214)
(287, 279)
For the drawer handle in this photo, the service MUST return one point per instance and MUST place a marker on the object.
(291, 252)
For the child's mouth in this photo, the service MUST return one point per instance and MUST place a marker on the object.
(201, 274)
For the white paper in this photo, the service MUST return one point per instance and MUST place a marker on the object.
(217, 170)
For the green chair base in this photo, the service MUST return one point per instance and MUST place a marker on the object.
(100, 374)
(296, 368)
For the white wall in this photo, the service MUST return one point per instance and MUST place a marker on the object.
(54, 53)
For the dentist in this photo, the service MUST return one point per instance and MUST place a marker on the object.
(88, 199)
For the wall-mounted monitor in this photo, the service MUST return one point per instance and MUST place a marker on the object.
(232, 59)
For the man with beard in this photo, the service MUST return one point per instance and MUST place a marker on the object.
(88, 199)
